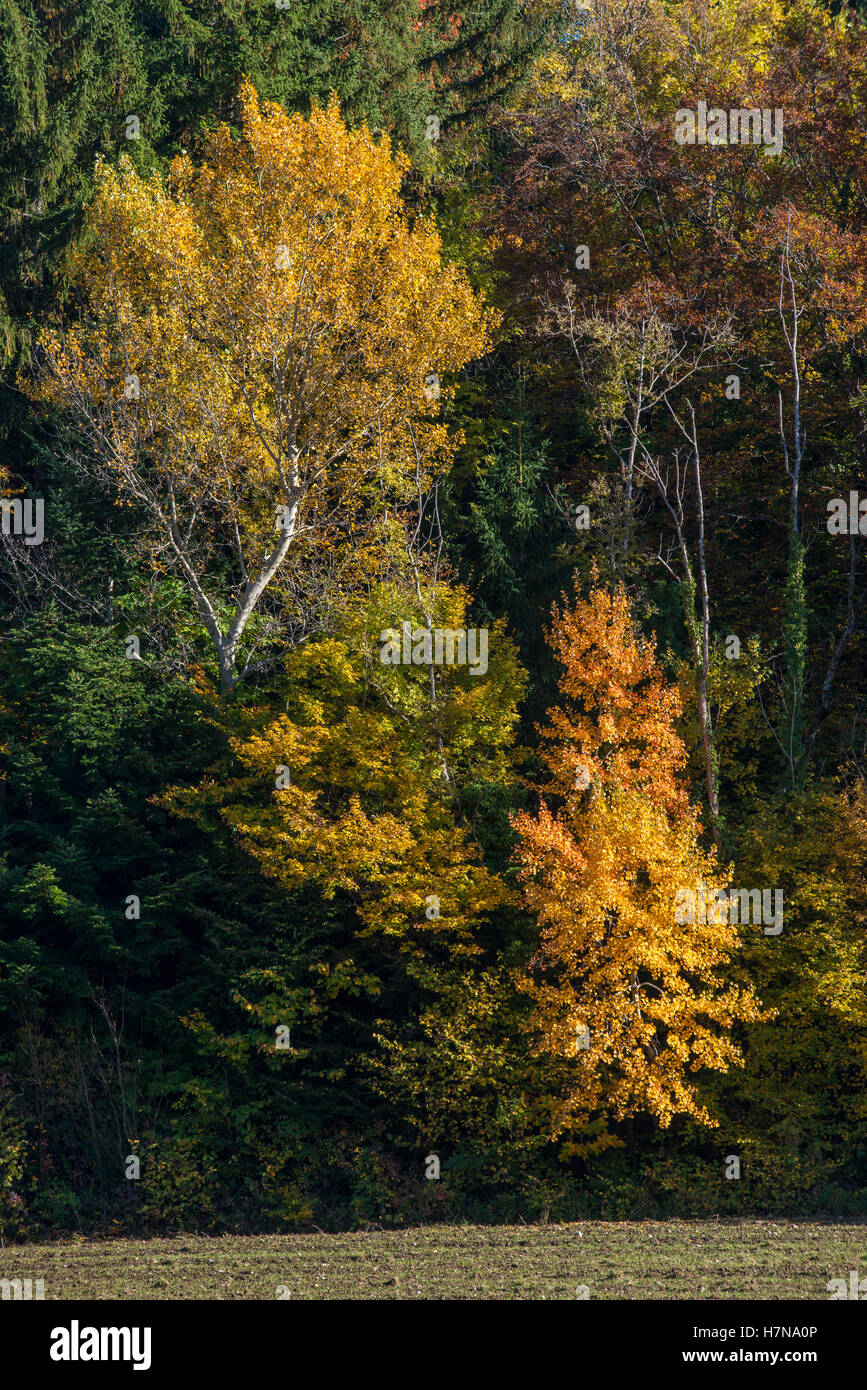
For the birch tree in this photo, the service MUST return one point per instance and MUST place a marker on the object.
(259, 354)
(638, 367)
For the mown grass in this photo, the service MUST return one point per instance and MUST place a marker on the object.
(615, 1260)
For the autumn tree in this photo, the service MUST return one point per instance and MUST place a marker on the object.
(257, 365)
(635, 998)
(358, 796)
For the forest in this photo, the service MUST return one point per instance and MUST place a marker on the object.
(433, 733)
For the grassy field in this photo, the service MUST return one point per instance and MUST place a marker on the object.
(615, 1260)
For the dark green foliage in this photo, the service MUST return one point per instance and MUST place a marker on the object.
(509, 528)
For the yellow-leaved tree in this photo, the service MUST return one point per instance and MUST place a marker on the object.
(635, 998)
(377, 766)
(257, 365)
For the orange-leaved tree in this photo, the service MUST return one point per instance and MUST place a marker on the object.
(256, 366)
(633, 1000)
